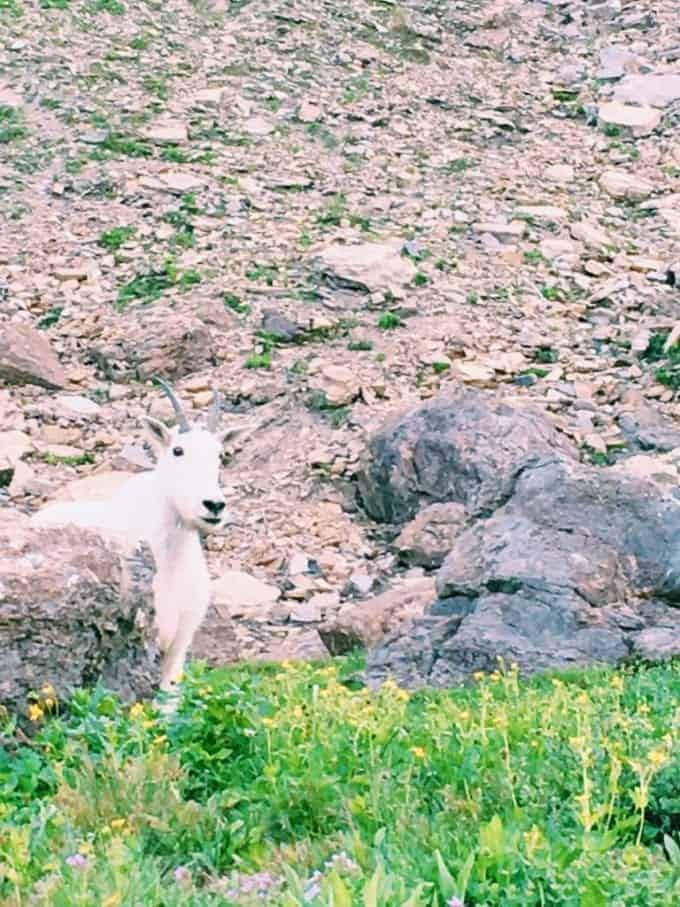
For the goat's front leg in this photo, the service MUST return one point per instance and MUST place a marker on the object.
(172, 662)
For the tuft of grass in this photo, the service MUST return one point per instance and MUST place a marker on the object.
(259, 360)
(83, 459)
(668, 372)
(545, 354)
(11, 125)
(149, 287)
(112, 7)
(360, 345)
(389, 321)
(119, 145)
(50, 318)
(113, 239)
(440, 367)
(233, 302)
(11, 8)
(55, 4)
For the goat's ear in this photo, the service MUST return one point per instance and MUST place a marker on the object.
(158, 433)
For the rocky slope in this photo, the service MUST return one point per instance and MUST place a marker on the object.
(331, 211)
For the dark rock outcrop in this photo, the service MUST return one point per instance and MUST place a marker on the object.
(561, 564)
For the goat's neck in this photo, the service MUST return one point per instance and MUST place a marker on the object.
(170, 538)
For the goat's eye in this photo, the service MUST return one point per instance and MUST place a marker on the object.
(178, 451)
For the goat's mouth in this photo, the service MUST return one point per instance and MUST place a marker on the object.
(211, 520)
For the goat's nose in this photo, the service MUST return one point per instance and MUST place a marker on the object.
(215, 507)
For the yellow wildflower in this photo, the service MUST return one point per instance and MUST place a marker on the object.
(204, 691)
(117, 824)
(495, 675)
(478, 675)
(464, 715)
(657, 757)
(86, 848)
(113, 900)
(616, 683)
(268, 722)
(136, 710)
(35, 712)
(418, 752)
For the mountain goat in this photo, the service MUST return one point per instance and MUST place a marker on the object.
(167, 507)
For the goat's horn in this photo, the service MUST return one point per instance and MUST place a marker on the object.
(214, 413)
(179, 412)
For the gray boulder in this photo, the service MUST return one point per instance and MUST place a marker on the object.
(578, 565)
(460, 447)
(74, 610)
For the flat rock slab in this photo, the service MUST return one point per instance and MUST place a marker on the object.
(653, 89)
(367, 267)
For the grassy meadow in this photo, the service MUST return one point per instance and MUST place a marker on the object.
(292, 784)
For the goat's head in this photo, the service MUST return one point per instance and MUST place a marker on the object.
(188, 464)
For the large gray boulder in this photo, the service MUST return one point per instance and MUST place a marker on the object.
(74, 610)
(571, 565)
(459, 447)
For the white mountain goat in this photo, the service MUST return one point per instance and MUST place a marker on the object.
(167, 507)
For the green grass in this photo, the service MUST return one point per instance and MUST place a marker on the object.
(113, 239)
(50, 318)
(296, 779)
(149, 287)
(11, 125)
(668, 372)
(389, 321)
(83, 459)
(120, 145)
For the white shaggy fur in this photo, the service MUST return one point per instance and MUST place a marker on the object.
(166, 507)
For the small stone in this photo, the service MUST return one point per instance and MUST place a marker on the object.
(622, 185)
(547, 214)
(501, 230)
(339, 384)
(557, 248)
(179, 182)
(306, 613)
(653, 89)
(591, 235)
(22, 480)
(243, 594)
(14, 445)
(77, 405)
(279, 326)
(640, 120)
(614, 62)
(258, 125)
(209, 96)
(298, 563)
(308, 112)
(367, 267)
(169, 133)
(361, 583)
(475, 373)
(26, 357)
(75, 272)
(300, 644)
(560, 173)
